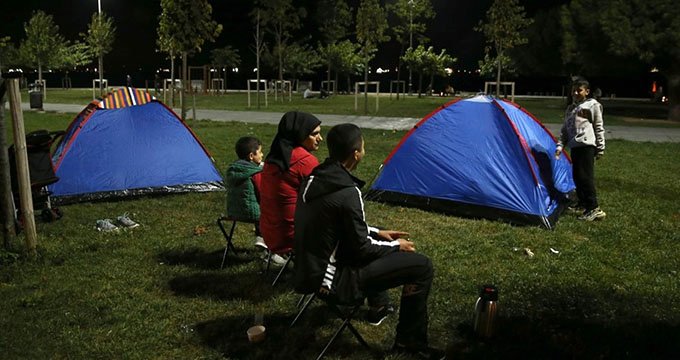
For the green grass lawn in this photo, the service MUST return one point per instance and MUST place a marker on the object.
(157, 292)
(548, 110)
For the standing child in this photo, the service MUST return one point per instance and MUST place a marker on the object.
(583, 132)
(243, 185)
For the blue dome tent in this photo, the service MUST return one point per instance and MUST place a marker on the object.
(128, 143)
(482, 158)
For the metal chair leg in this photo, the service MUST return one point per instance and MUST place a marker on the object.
(346, 323)
(228, 237)
(283, 269)
(337, 332)
(304, 307)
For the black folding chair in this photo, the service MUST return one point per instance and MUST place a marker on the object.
(228, 237)
(346, 315)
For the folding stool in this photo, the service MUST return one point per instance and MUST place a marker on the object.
(346, 317)
(230, 236)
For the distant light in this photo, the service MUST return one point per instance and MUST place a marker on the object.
(448, 71)
(654, 70)
(380, 71)
(235, 69)
(254, 69)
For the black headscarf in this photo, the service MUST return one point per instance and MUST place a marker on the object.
(294, 127)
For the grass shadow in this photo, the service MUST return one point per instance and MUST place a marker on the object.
(304, 341)
(564, 338)
(250, 286)
(199, 258)
(576, 326)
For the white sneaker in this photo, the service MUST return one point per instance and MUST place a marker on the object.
(259, 241)
(592, 215)
(276, 259)
(106, 226)
(127, 222)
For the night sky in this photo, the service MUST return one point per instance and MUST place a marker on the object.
(136, 23)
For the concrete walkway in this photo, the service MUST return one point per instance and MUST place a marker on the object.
(632, 133)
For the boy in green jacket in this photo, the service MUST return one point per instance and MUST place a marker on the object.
(243, 184)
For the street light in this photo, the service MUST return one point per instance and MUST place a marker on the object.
(410, 44)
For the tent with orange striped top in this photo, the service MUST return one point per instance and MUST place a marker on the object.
(126, 144)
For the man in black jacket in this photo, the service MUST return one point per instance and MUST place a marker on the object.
(338, 253)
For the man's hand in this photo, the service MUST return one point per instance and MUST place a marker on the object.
(391, 235)
(599, 155)
(406, 245)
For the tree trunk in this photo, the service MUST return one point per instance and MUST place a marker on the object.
(40, 75)
(258, 52)
(280, 41)
(498, 77)
(5, 188)
(401, 52)
(224, 84)
(40, 81)
(101, 74)
(431, 84)
(182, 99)
(366, 86)
(172, 79)
(420, 84)
(337, 84)
(328, 78)
(674, 93)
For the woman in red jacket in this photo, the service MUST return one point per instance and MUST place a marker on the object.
(288, 163)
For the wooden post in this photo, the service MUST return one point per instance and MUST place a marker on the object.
(6, 207)
(23, 175)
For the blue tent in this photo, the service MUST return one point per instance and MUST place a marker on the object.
(479, 157)
(130, 144)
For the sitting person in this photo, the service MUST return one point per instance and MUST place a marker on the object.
(288, 163)
(338, 253)
(243, 183)
(323, 94)
(448, 91)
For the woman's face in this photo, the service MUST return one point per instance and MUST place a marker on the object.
(313, 140)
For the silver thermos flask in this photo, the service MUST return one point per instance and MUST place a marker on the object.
(486, 312)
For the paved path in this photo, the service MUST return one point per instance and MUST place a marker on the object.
(632, 133)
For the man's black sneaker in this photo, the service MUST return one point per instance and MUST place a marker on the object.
(419, 352)
(375, 317)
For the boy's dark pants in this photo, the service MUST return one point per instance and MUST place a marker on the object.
(415, 272)
(583, 162)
